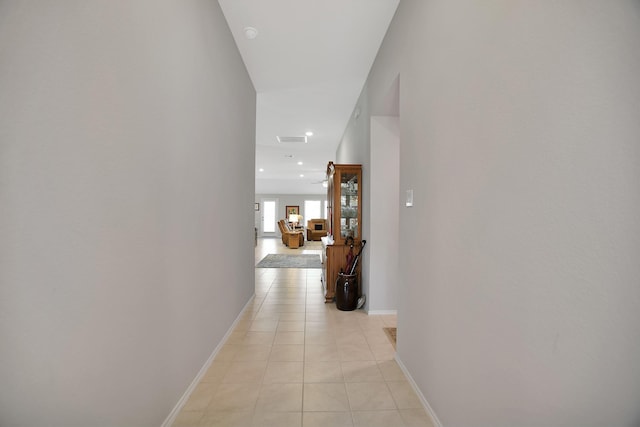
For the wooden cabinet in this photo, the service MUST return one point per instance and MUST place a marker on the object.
(344, 202)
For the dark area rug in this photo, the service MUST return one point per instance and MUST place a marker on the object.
(290, 261)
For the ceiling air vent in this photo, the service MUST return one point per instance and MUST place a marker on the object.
(292, 139)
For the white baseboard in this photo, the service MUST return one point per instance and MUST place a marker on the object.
(381, 312)
(434, 419)
(176, 410)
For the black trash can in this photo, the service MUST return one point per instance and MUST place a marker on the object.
(347, 291)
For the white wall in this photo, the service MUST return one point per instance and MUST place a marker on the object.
(519, 300)
(355, 149)
(126, 133)
(383, 243)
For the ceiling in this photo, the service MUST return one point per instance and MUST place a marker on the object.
(308, 64)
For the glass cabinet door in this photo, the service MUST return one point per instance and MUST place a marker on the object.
(349, 205)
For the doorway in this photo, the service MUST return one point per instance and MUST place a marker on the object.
(268, 217)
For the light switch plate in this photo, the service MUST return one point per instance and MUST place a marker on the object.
(409, 200)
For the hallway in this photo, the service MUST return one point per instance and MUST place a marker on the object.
(294, 361)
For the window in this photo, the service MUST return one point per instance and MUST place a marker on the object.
(312, 209)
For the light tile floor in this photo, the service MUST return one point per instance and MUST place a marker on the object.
(294, 361)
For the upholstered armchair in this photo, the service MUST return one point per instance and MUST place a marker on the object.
(291, 238)
(316, 228)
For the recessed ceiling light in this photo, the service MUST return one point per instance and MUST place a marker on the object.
(300, 163)
(301, 175)
(309, 133)
(250, 33)
(261, 170)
